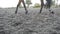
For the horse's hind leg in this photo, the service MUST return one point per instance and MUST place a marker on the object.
(25, 7)
(51, 10)
(42, 3)
(49, 5)
(41, 9)
(17, 6)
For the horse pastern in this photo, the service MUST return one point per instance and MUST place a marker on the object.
(52, 12)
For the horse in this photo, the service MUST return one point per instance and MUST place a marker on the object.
(42, 4)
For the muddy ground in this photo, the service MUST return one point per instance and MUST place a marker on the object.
(31, 23)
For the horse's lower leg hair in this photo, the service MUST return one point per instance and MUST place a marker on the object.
(50, 10)
(17, 7)
(25, 7)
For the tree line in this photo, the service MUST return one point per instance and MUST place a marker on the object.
(37, 5)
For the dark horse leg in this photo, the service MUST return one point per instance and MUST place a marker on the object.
(17, 6)
(42, 3)
(25, 7)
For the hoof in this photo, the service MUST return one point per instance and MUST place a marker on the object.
(39, 12)
(26, 12)
(52, 12)
(15, 12)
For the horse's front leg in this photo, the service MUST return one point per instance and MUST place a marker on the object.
(17, 6)
(25, 7)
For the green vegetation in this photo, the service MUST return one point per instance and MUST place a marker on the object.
(28, 2)
(36, 5)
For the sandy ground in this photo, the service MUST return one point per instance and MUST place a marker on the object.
(31, 23)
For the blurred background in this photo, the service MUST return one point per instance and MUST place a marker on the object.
(29, 3)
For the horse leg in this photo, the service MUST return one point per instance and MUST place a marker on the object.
(50, 10)
(42, 3)
(17, 6)
(49, 5)
(25, 7)
(41, 9)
